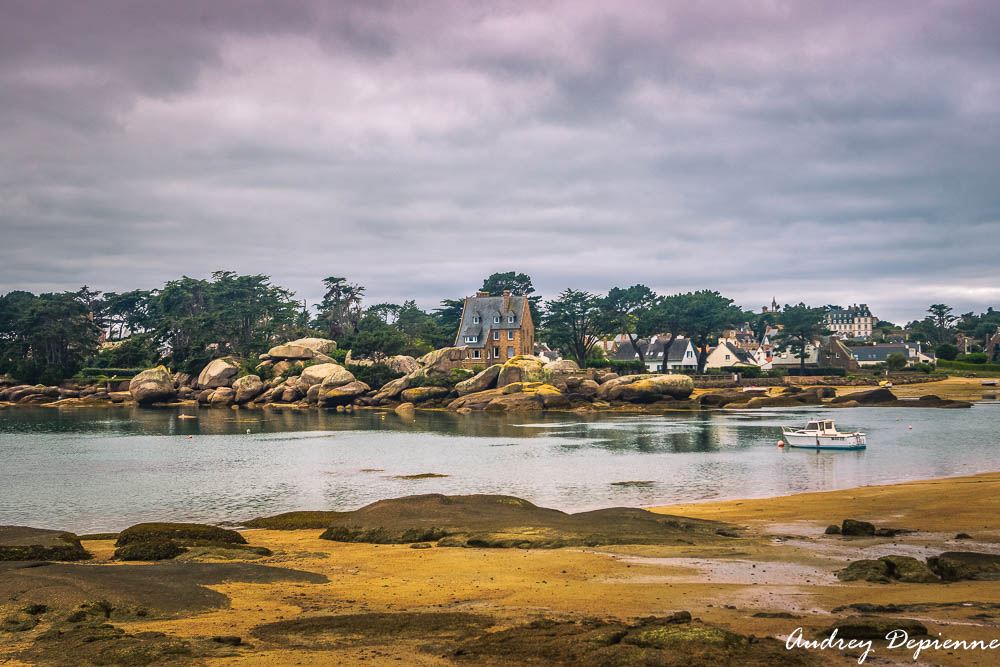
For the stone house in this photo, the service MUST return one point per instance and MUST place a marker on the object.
(851, 322)
(494, 329)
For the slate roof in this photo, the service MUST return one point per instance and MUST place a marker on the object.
(740, 354)
(878, 353)
(486, 308)
(653, 351)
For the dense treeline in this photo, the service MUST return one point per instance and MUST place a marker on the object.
(187, 322)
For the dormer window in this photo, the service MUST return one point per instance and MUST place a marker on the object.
(496, 320)
(475, 319)
(472, 339)
(510, 319)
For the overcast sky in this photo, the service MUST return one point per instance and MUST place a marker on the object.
(819, 151)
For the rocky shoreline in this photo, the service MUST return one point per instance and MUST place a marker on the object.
(301, 374)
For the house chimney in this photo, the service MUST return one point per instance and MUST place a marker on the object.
(506, 300)
(482, 294)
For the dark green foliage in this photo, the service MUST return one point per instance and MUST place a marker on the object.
(621, 367)
(374, 375)
(340, 310)
(144, 532)
(962, 366)
(249, 366)
(627, 311)
(448, 317)
(138, 351)
(896, 361)
(448, 381)
(972, 358)
(46, 338)
(573, 322)
(946, 351)
(802, 325)
(296, 369)
(338, 355)
(156, 548)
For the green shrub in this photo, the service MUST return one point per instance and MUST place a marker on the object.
(974, 358)
(375, 375)
(946, 351)
(965, 366)
(138, 350)
(633, 367)
(340, 356)
(454, 376)
(796, 371)
(296, 369)
(922, 368)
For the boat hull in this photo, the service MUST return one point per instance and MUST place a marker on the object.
(847, 441)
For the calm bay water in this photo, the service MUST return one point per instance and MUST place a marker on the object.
(102, 469)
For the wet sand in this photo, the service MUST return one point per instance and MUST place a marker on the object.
(784, 565)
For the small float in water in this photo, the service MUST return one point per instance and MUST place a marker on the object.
(822, 434)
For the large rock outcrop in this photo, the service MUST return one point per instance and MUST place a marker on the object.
(24, 543)
(402, 364)
(505, 521)
(154, 384)
(480, 382)
(248, 388)
(343, 394)
(439, 362)
(422, 394)
(317, 373)
(218, 373)
(646, 388)
(522, 368)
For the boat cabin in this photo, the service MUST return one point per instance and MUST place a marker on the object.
(825, 426)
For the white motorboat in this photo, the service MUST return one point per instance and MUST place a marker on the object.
(822, 434)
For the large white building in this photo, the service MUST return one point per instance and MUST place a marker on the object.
(851, 322)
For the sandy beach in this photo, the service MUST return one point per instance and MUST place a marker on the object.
(777, 575)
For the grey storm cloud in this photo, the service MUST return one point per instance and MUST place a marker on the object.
(814, 151)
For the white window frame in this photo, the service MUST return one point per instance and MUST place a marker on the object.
(496, 352)
(472, 339)
(510, 334)
(476, 354)
(510, 319)
(475, 319)
(496, 319)
(510, 350)
(496, 335)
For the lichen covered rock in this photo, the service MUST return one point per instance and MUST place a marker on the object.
(247, 388)
(154, 384)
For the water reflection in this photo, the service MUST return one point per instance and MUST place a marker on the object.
(102, 469)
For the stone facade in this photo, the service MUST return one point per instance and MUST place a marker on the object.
(495, 328)
(851, 322)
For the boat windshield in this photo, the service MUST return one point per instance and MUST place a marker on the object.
(828, 426)
(812, 426)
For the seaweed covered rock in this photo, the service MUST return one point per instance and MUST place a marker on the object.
(875, 571)
(871, 627)
(888, 569)
(156, 548)
(25, 543)
(218, 373)
(145, 532)
(667, 640)
(505, 521)
(853, 527)
(870, 397)
(960, 565)
(910, 570)
(306, 519)
(154, 384)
